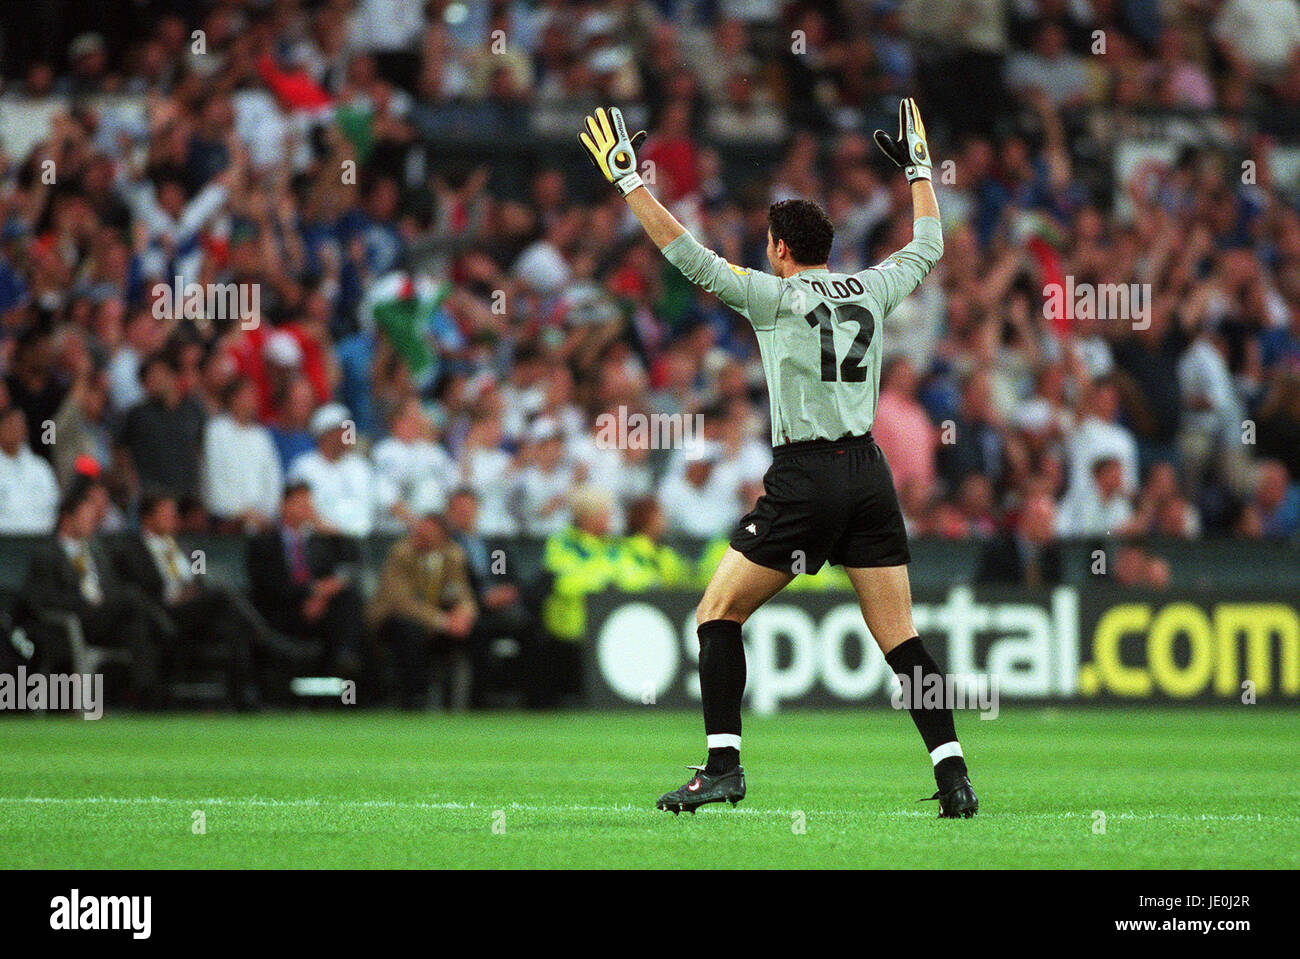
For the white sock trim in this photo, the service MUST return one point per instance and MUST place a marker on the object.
(940, 753)
(723, 741)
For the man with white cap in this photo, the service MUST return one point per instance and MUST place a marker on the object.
(342, 484)
(546, 483)
(700, 500)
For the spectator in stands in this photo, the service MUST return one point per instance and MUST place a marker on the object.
(414, 472)
(162, 435)
(342, 484)
(144, 336)
(545, 483)
(242, 479)
(1099, 507)
(291, 430)
(1279, 421)
(29, 492)
(903, 429)
(1138, 568)
(1259, 35)
(975, 443)
(1274, 510)
(35, 385)
(69, 573)
(1099, 435)
(699, 500)
(1212, 423)
(489, 470)
(1026, 554)
(424, 610)
(81, 426)
(1050, 68)
(303, 583)
(1162, 509)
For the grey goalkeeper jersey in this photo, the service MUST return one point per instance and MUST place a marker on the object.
(818, 331)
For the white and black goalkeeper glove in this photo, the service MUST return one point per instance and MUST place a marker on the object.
(909, 150)
(611, 149)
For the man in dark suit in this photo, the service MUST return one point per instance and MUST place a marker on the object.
(200, 615)
(301, 582)
(503, 609)
(1027, 555)
(70, 574)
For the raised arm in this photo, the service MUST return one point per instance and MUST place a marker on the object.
(660, 225)
(612, 152)
(904, 270)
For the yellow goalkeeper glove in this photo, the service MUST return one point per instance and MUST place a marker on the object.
(611, 149)
(909, 150)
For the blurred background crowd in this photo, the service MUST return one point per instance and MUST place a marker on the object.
(435, 298)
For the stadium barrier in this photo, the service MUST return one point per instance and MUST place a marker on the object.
(1070, 644)
(1226, 631)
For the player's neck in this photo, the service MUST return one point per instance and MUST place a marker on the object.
(795, 269)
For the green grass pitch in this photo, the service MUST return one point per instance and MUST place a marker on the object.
(1178, 788)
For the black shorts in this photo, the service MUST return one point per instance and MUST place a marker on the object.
(825, 501)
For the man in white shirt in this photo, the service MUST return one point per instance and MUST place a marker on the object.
(342, 484)
(1098, 436)
(546, 483)
(414, 473)
(29, 493)
(1097, 507)
(1212, 415)
(489, 471)
(701, 500)
(242, 478)
(1263, 34)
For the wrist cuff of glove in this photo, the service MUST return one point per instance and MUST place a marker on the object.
(628, 183)
(914, 173)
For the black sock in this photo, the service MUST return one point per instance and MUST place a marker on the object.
(934, 723)
(722, 685)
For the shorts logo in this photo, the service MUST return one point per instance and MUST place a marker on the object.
(752, 529)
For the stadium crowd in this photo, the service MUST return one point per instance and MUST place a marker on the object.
(257, 263)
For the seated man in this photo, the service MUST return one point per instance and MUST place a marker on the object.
(198, 614)
(504, 610)
(302, 585)
(69, 574)
(425, 609)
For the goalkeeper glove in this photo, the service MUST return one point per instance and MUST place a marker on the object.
(909, 150)
(611, 149)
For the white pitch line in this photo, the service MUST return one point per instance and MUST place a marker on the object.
(256, 802)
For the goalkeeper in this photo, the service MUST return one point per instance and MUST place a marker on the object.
(829, 496)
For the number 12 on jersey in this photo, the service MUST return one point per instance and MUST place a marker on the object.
(850, 369)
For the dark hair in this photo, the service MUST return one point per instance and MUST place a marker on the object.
(806, 229)
(78, 492)
(294, 487)
(151, 500)
(233, 389)
(155, 358)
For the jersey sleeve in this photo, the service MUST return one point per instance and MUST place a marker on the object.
(754, 296)
(902, 272)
